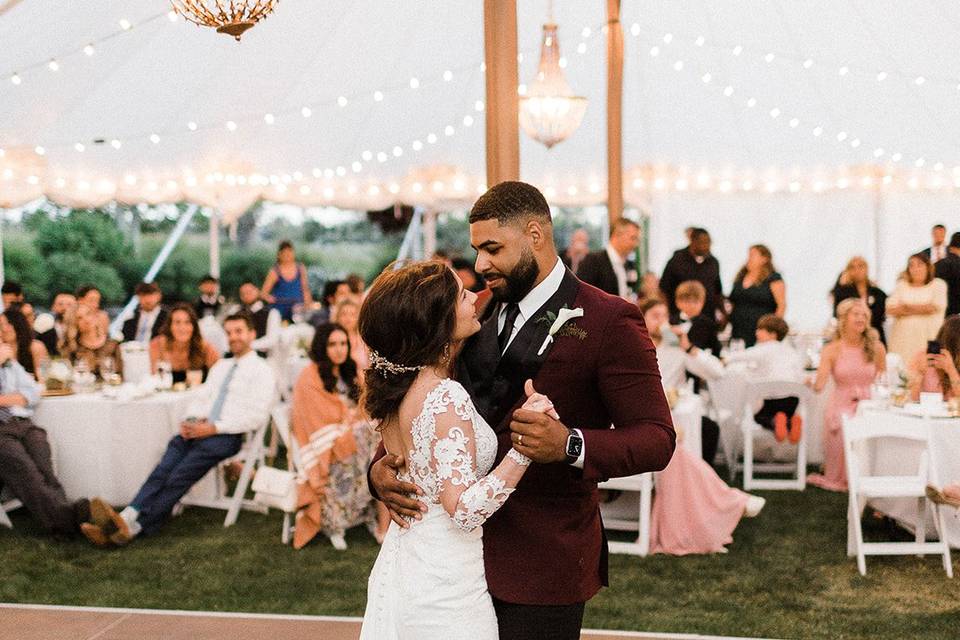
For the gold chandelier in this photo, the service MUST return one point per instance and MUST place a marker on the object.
(232, 17)
(549, 112)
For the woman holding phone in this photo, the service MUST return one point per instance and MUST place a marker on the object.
(937, 369)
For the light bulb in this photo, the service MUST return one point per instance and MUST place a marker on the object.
(448, 130)
(737, 50)
(468, 121)
(342, 101)
(478, 105)
(231, 125)
(447, 76)
(115, 143)
(269, 118)
(306, 112)
(367, 156)
(53, 65)
(397, 152)
(192, 126)
(79, 147)
(89, 50)
(807, 63)
(432, 138)
(378, 96)
(15, 79)
(125, 24)
(414, 83)
(154, 138)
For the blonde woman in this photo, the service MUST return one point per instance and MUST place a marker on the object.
(855, 282)
(853, 359)
(917, 305)
(86, 339)
(758, 290)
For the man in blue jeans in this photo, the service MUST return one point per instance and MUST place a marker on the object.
(235, 399)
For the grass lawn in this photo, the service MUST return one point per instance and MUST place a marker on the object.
(786, 576)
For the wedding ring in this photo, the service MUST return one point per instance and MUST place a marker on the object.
(520, 439)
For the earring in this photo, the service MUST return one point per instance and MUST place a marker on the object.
(446, 353)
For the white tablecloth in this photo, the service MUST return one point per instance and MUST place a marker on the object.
(687, 415)
(896, 456)
(105, 447)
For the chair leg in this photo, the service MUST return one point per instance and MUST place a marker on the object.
(921, 533)
(253, 455)
(285, 534)
(942, 536)
(747, 460)
(851, 533)
(643, 539)
(858, 533)
(802, 462)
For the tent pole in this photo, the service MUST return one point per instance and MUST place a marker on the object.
(502, 110)
(614, 112)
(3, 273)
(429, 233)
(215, 243)
(158, 263)
(878, 211)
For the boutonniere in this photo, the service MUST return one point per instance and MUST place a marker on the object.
(557, 322)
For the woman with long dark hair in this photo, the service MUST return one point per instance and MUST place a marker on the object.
(758, 290)
(180, 344)
(939, 372)
(335, 443)
(429, 581)
(15, 331)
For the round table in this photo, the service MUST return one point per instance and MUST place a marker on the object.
(107, 447)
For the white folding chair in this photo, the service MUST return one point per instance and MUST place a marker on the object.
(642, 484)
(7, 503)
(251, 454)
(771, 390)
(725, 407)
(281, 423)
(857, 432)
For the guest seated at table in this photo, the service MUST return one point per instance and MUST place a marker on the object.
(336, 443)
(30, 314)
(90, 296)
(15, 332)
(853, 359)
(150, 316)
(938, 372)
(25, 463)
(180, 344)
(334, 292)
(266, 321)
(356, 283)
(11, 293)
(51, 337)
(235, 399)
(917, 305)
(699, 327)
(855, 282)
(347, 316)
(86, 339)
(676, 361)
(771, 359)
(210, 300)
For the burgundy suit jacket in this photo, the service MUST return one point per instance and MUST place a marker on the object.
(546, 544)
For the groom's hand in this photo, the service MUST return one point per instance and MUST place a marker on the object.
(394, 493)
(538, 436)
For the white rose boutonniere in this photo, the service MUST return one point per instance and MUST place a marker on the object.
(562, 317)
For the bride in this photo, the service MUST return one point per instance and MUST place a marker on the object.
(428, 581)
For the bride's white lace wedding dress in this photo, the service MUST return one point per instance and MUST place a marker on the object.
(428, 581)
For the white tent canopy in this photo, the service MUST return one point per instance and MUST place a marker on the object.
(820, 115)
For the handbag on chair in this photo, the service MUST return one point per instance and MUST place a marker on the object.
(276, 488)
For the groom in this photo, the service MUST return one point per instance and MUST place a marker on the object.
(545, 550)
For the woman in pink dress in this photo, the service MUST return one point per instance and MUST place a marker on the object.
(853, 359)
(694, 511)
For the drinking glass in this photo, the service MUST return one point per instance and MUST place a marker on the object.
(106, 368)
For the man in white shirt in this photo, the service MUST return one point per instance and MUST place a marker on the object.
(148, 319)
(612, 269)
(235, 399)
(25, 461)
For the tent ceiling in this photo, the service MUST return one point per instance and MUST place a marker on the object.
(162, 75)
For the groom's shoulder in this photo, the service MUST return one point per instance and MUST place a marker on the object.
(590, 297)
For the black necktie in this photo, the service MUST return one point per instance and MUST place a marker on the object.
(513, 310)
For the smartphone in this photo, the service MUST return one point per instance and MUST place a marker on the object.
(933, 347)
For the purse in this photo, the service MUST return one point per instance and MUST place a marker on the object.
(276, 488)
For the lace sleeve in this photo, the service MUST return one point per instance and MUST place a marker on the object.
(468, 500)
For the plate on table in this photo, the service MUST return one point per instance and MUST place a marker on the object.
(55, 393)
(915, 409)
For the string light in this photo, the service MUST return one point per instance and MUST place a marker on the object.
(125, 24)
(342, 101)
(53, 65)
(269, 118)
(154, 138)
(89, 50)
(15, 79)
(306, 112)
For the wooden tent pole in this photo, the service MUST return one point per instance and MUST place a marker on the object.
(502, 108)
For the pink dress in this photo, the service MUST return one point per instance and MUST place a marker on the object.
(694, 511)
(852, 374)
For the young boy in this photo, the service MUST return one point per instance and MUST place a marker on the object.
(773, 360)
(702, 330)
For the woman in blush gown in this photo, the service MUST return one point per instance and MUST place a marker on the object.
(853, 359)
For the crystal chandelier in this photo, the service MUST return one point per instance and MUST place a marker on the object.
(232, 17)
(549, 112)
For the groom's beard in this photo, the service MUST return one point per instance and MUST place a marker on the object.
(519, 282)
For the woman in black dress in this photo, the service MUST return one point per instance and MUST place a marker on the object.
(855, 282)
(757, 291)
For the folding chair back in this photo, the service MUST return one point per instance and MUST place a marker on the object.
(772, 390)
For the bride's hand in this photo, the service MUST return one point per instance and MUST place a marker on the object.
(394, 493)
(538, 402)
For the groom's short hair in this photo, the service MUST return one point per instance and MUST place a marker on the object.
(511, 203)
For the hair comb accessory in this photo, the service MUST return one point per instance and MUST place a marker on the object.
(384, 366)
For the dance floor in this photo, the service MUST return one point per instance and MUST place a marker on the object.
(42, 622)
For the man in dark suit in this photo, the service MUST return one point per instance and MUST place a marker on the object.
(948, 270)
(938, 250)
(545, 550)
(149, 318)
(210, 300)
(612, 269)
(695, 262)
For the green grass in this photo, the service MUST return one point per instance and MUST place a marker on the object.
(786, 576)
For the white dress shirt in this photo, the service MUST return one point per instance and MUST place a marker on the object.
(675, 363)
(250, 395)
(15, 379)
(772, 360)
(620, 269)
(938, 252)
(530, 304)
(145, 324)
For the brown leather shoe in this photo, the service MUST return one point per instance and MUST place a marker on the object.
(95, 534)
(114, 527)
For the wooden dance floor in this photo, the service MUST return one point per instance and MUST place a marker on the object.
(41, 622)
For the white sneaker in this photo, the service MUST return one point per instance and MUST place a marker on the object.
(338, 542)
(754, 506)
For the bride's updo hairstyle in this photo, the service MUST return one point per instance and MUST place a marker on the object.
(407, 320)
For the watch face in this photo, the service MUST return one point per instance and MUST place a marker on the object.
(574, 447)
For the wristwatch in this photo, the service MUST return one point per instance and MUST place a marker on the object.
(574, 446)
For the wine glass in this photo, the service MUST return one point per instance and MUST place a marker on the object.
(106, 368)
